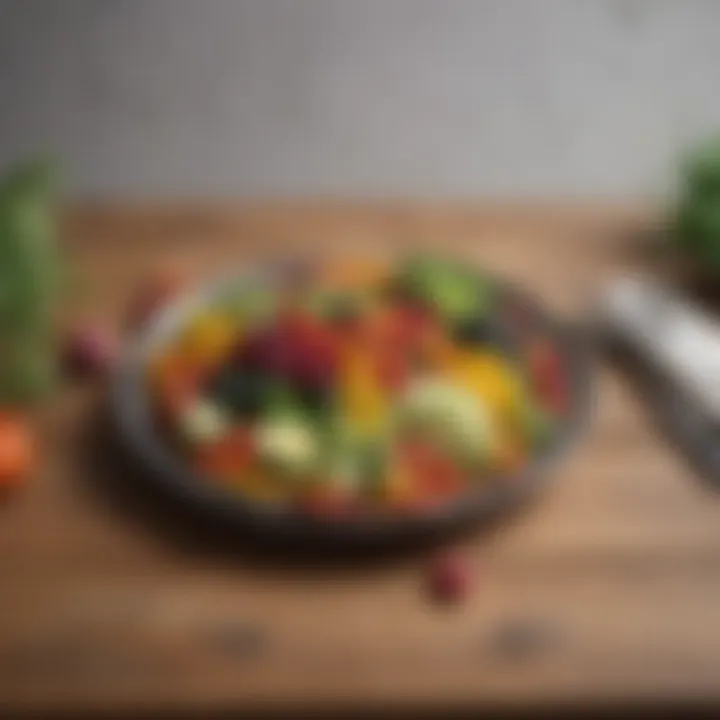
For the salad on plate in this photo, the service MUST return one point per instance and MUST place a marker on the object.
(355, 386)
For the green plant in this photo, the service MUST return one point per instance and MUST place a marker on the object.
(697, 224)
(29, 282)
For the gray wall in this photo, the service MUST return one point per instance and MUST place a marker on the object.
(358, 97)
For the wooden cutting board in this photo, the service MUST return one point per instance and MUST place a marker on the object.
(606, 588)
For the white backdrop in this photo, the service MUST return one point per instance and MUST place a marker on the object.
(358, 97)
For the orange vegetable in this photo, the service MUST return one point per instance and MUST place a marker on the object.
(392, 367)
(228, 458)
(433, 472)
(176, 383)
(208, 338)
(17, 450)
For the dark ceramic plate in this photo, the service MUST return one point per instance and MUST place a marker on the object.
(131, 406)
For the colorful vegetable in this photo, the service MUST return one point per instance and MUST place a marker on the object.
(203, 421)
(230, 458)
(451, 290)
(448, 415)
(17, 450)
(361, 396)
(209, 337)
(175, 383)
(288, 446)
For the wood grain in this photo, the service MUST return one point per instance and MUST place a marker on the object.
(104, 604)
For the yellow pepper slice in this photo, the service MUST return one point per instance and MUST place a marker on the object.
(362, 397)
(490, 378)
(208, 337)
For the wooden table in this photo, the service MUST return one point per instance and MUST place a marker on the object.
(617, 568)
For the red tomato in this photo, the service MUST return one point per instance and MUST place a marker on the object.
(229, 456)
(413, 323)
(392, 367)
(177, 387)
(432, 471)
(17, 450)
(382, 328)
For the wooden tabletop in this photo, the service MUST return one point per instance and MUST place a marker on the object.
(606, 588)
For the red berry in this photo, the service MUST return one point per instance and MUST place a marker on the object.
(449, 578)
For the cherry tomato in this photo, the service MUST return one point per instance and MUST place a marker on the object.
(392, 367)
(177, 384)
(433, 473)
(414, 324)
(228, 457)
(17, 450)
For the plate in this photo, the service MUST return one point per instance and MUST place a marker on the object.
(133, 416)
